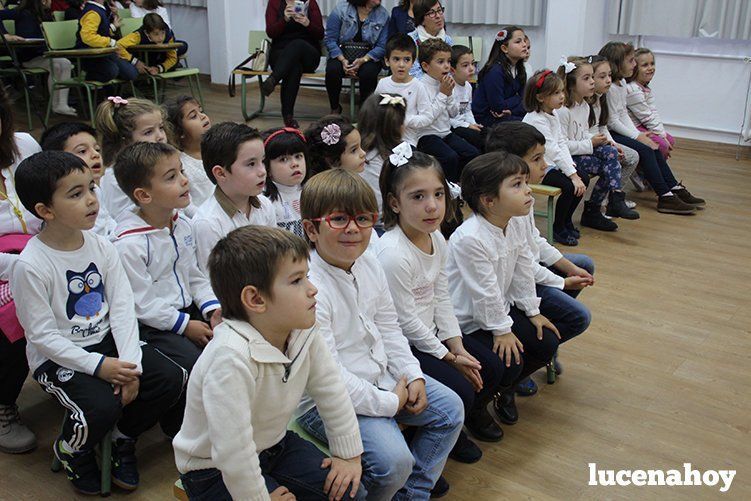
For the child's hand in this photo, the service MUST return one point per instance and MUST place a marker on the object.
(344, 472)
(215, 318)
(575, 271)
(152, 70)
(447, 85)
(417, 400)
(576, 283)
(541, 321)
(199, 332)
(289, 12)
(116, 21)
(599, 139)
(644, 139)
(282, 494)
(141, 67)
(13, 38)
(128, 392)
(116, 371)
(469, 366)
(476, 127)
(507, 346)
(579, 187)
(401, 391)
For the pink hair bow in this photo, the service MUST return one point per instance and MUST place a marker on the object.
(117, 100)
(331, 134)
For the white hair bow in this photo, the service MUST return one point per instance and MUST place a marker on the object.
(454, 190)
(387, 99)
(567, 67)
(330, 134)
(401, 154)
(501, 36)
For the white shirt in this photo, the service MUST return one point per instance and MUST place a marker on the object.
(542, 252)
(114, 199)
(488, 271)
(239, 403)
(137, 11)
(446, 107)
(217, 216)
(201, 187)
(104, 225)
(463, 97)
(556, 144)
(599, 129)
(422, 106)
(419, 288)
(618, 119)
(372, 175)
(356, 317)
(575, 127)
(640, 103)
(68, 300)
(162, 269)
(287, 208)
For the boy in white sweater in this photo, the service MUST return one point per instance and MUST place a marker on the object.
(75, 304)
(463, 123)
(265, 354)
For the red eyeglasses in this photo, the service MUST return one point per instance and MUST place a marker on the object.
(340, 220)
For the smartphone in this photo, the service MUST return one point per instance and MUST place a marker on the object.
(299, 7)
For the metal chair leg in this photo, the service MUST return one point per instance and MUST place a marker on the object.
(105, 451)
(551, 218)
(198, 87)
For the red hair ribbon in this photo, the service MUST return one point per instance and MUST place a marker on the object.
(281, 131)
(541, 80)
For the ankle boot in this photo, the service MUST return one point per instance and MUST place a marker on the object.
(617, 206)
(481, 424)
(593, 218)
(267, 87)
(504, 405)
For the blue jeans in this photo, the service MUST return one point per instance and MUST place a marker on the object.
(107, 68)
(293, 463)
(391, 467)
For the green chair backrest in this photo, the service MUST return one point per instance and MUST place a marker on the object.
(461, 40)
(130, 24)
(60, 34)
(475, 43)
(255, 40)
(58, 15)
(124, 13)
(10, 26)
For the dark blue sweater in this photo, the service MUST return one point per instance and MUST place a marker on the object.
(27, 26)
(400, 22)
(496, 93)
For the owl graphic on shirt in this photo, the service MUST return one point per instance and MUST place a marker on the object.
(85, 293)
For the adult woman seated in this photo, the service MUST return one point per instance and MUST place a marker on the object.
(430, 22)
(295, 49)
(402, 19)
(355, 22)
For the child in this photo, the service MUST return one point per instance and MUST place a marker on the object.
(234, 441)
(76, 307)
(286, 168)
(28, 18)
(96, 28)
(381, 122)
(437, 139)
(673, 197)
(356, 317)
(527, 66)
(233, 160)
(122, 122)
(413, 255)
(142, 8)
(591, 154)
(464, 123)
(491, 272)
(543, 95)
(188, 123)
(73, 12)
(175, 305)
(334, 142)
(558, 277)
(80, 139)
(500, 84)
(153, 31)
(640, 102)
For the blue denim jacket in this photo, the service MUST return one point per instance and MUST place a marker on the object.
(341, 26)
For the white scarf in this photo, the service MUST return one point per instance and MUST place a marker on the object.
(423, 35)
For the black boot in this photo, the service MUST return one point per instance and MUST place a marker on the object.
(481, 424)
(617, 206)
(465, 450)
(267, 87)
(504, 405)
(592, 217)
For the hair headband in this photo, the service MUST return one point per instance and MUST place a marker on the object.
(331, 134)
(401, 154)
(281, 131)
(541, 79)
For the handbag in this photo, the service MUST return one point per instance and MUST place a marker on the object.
(259, 63)
(355, 50)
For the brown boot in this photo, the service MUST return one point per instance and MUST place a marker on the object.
(672, 204)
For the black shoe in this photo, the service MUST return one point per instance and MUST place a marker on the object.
(81, 469)
(573, 230)
(482, 425)
(565, 238)
(440, 489)
(267, 87)
(593, 218)
(687, 197)
(504, 405)
(465, 450)
(617, 206)
(289, 121)
(526, 387)
(672, 204)
(557, 365)
(336, 111)
(124, 464)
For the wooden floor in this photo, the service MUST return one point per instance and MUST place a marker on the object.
(661, 377)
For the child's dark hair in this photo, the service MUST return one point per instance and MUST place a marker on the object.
(250, 255)
(153, 22)
(497, 56)
(37, 176)
(596, 61)
(37, 9)
(420, 9)
(381, 125)
(517, 138)
(616, 53)
(220, 144)
(54, 138)
(278, 142)
(482, 177)
(401, 42)
(134, 166)
(429, 48)
(392, 180)
(324, 156)
(457, 51)
(116, 122)
(542, 84)
(152, 4)
(174, 110)
(8, 147)
(569, 79)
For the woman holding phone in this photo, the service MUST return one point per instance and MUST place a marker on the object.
(295, 28)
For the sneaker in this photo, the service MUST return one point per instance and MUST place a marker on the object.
(687, 197)
(289, 121)
(15, 437)
(617, 206)
(465, 451)
(672, 204)
(440, 489)
(81, 469)
(526, 387)
(267, 87)
(65, 110)
(593, 218)
(124, 464)
(505, 407)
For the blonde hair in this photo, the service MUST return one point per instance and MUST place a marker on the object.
(116, 123)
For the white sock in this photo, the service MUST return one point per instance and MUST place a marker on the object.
(668, 194)
(677, 187)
